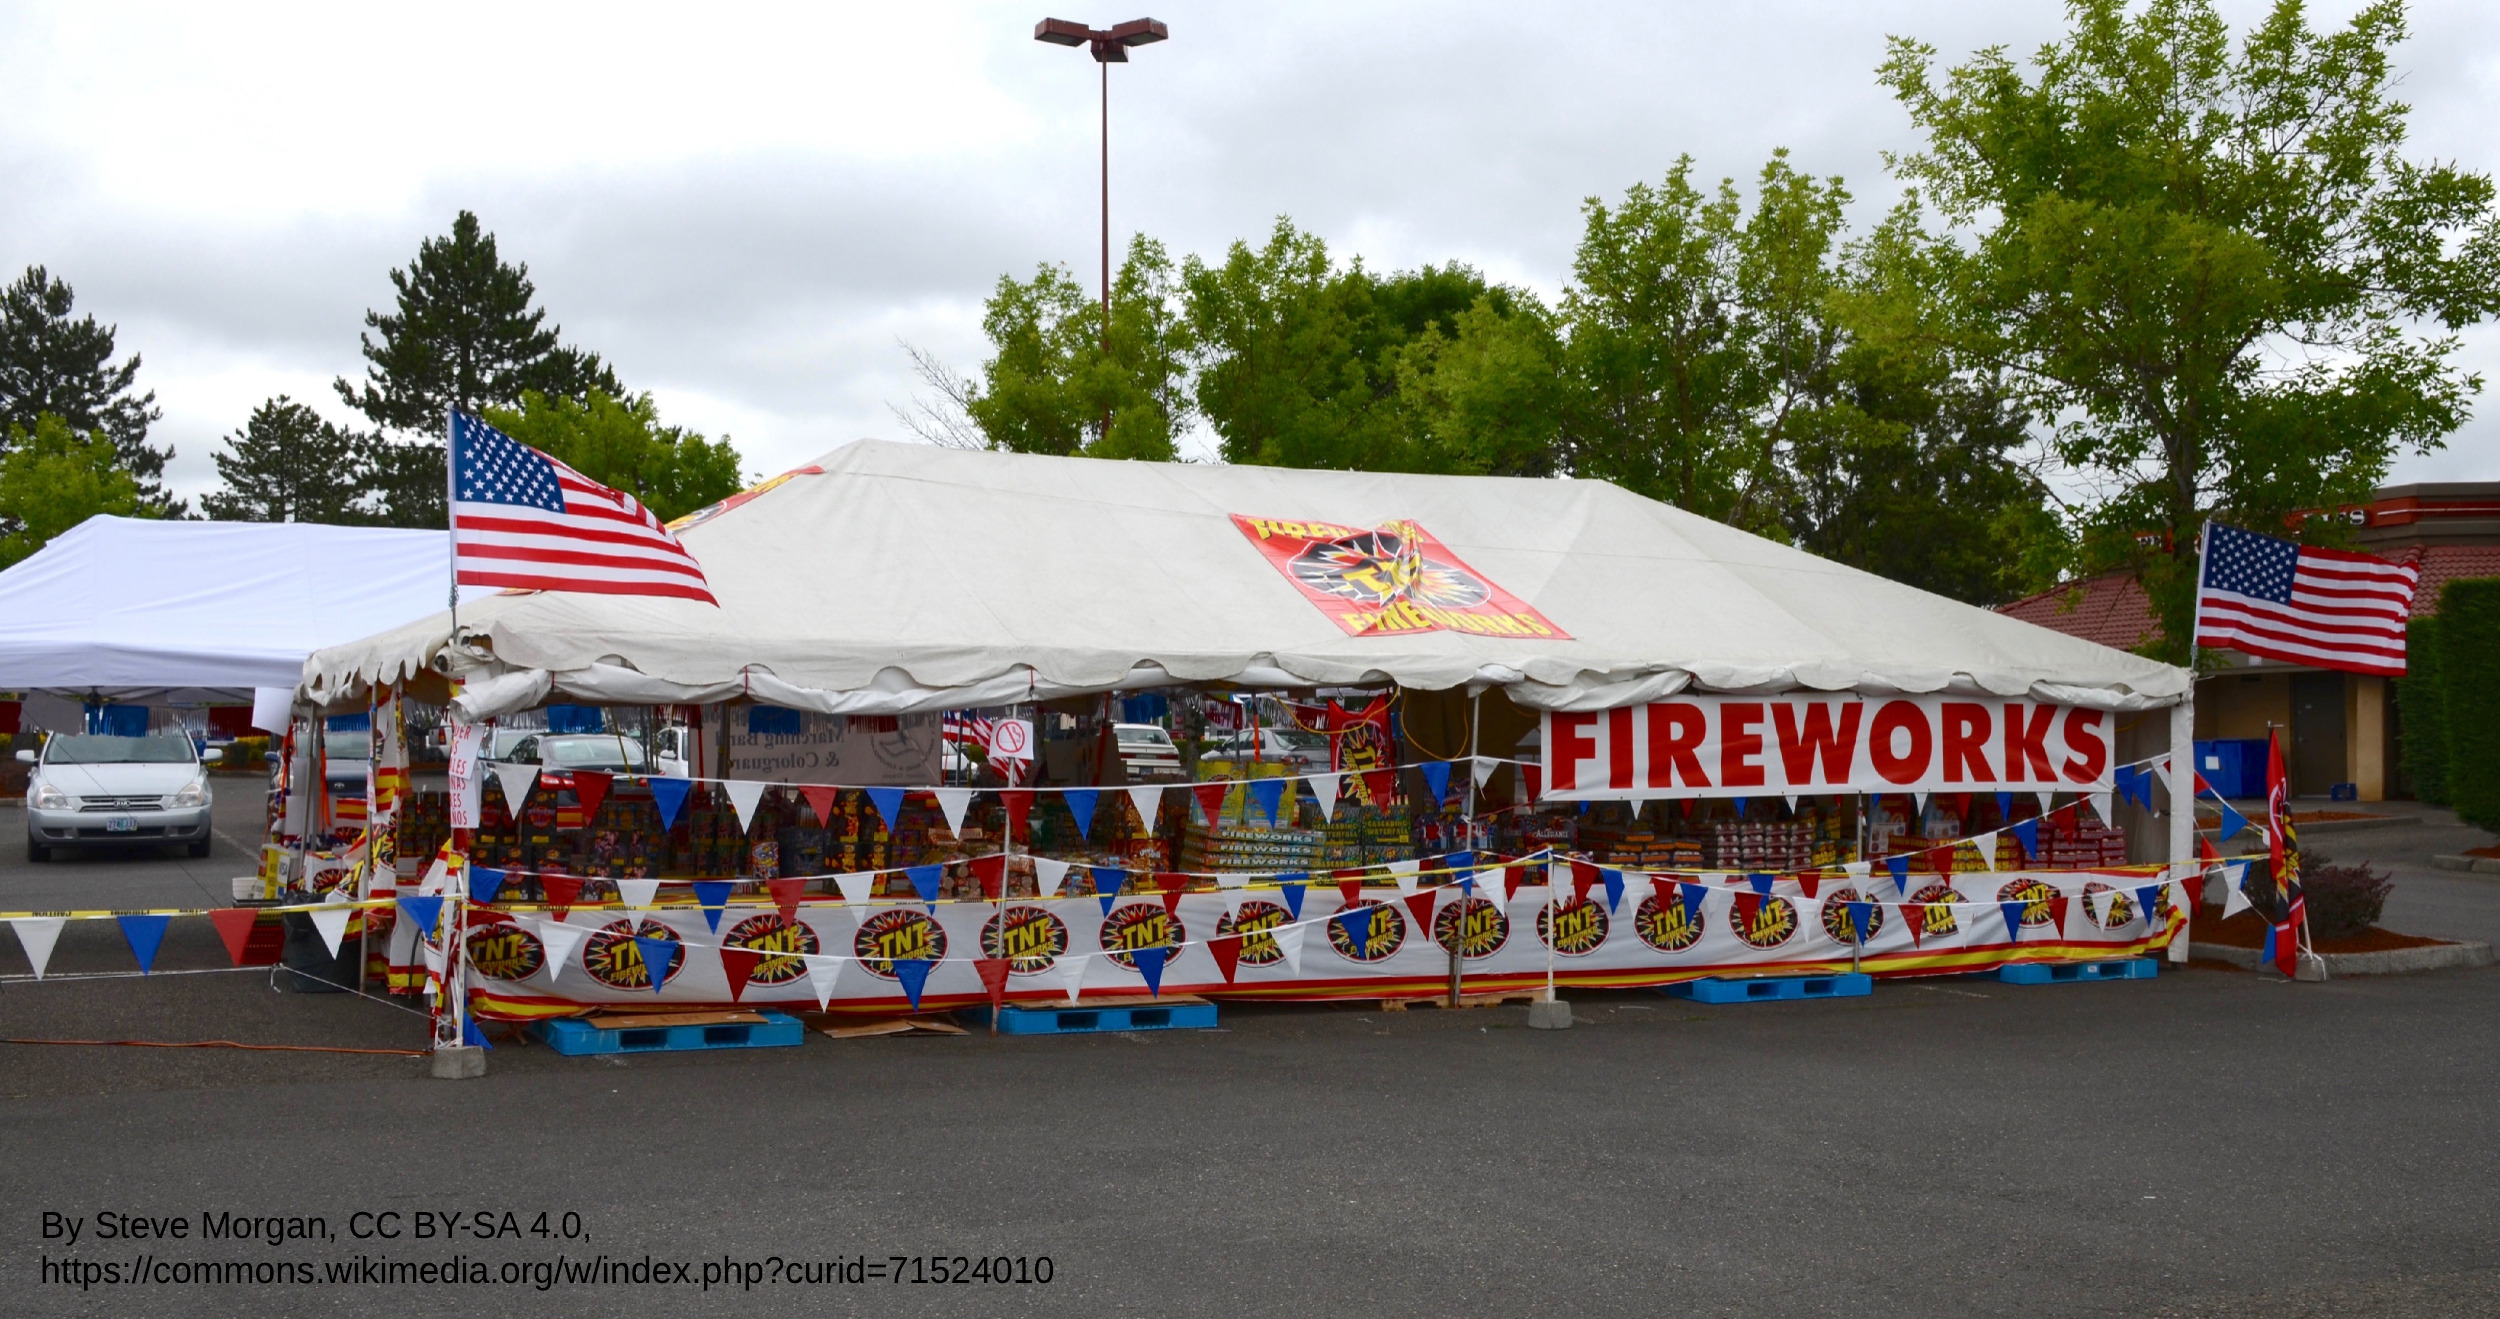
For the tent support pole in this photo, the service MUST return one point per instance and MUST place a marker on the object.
(2182, 840)
(1458, 928)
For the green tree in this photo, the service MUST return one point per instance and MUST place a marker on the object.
(1052, 384)
(2214, 268)
(1700, 340)
(621, 444)
(50, 363)
(464, 335)
(289, 465)
(53, 478)
(1488, 397)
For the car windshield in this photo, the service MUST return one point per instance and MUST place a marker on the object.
(1299, 740)
(1146, 736)
(98, 749)
(590, 752)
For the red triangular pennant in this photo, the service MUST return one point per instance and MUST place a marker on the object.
(1173, 883)
(2195, 885)
(994, 978)
(2057, 914)
(1583, 877)
(1210, 799)
(820, 800)
(991, 871)
(1941, 858)
(1019, 809)
(1914, 915)
(1351, 888)
(1663, 886)
(1382, 784)
(234, 925)
(590, 788)
(786, 894)
(1810, 882)
(1420, 906)
(1227, 950)
(738, 964)
(1536, 781)
(1748, 905)
(562, 892)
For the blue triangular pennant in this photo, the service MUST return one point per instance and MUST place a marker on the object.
(1294, 885)
(1740, 808)
(2265, 957)
(2144, 901)
(924, 881)
(1107, 882)
(1150, 965)
(1080, 802)
(1437, 778)
(470, 1035)
(1859, 914)
(2005, 805)
(711, 895)
(1269, 796)
(1358, 923)
(2232, 822)
(2013, 919)
(1760, 882)
(144, 933)
(912, 973)
(1694, 896)
(658, 955)
(670, 796)
(484, 883)
(1462, 864)
(422, 912)
(889, 805)
(2027, 833)
(1614, 887)
(1900, 868)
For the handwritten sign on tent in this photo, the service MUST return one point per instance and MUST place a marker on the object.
(1391, 580)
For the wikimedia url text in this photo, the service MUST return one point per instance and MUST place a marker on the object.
(724, 1273)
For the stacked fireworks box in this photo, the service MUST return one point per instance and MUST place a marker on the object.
(1759, 845)
(1234, 846)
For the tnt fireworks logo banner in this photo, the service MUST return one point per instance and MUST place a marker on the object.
(1391, 580)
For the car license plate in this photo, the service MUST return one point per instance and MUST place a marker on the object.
(121, 824)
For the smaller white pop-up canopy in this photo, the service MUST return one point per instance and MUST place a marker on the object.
(135, 609)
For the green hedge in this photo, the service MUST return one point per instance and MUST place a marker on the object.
(2469, 673)
(2422, 704)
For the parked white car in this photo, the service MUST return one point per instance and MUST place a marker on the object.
(96, 790)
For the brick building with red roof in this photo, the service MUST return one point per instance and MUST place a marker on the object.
(2343, 729)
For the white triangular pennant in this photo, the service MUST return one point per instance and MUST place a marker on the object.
(516, 781)
(2101, 806)
(1148, 799)
(1071, 969)
(331, 922)
(954, 801)
(1483, 770)
(437, 874)
(1792, 801)
(857, 886)
(638, 893)
(561, 939)
(2234, 898)
(1232, 904)
(1289, 942)
(1918, 802)
(2046, 796)
(1049, 875)
(744, 794)
(822, 970)
(1232, 879)
(2097, 900)
(1404, 873)
(1324, 791)
(2161, 770)
(1987, 845)
(1857, 870)
(37, 934)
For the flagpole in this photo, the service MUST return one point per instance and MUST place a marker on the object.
(451, 507)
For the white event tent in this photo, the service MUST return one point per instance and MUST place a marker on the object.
(138, 610)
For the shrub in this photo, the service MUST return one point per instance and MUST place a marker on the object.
(2342, 900)
(244, 754)
(2422, 703)
(2469, 674)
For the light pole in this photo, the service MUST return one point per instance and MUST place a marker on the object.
(1110, 46)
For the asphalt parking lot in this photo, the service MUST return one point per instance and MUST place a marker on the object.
(2209, 1143)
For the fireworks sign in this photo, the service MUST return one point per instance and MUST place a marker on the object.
(1391, 580)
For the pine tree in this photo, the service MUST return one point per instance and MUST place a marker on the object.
(464, 335)
(288, 465)
(52, 364)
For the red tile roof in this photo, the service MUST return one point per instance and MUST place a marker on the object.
(2442, 564)
(2111, 609)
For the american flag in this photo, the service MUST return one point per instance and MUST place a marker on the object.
(2332, 608)
(520, 519)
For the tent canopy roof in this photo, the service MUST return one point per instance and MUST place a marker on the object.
(120, 604)
(894, 577)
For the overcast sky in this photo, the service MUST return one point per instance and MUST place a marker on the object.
(746, 208)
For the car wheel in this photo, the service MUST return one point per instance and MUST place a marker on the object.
(199, 848)
(35, 851)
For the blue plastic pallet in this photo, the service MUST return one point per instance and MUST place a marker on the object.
(1081, 1020)
(576, 1039)
(1773, 989)
(2067, 973)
